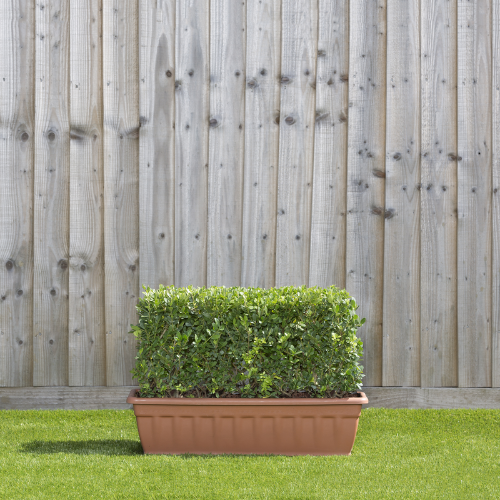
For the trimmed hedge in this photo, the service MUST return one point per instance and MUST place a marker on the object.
(247, 342)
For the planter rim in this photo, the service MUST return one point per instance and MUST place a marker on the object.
(360, 400)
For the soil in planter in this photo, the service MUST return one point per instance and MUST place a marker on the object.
(292, 395)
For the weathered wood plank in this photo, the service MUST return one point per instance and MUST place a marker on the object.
(402, 198)
(100, 398)
(438, 315)
(328, 220)
(65, 398)
(262, 101)
(474, 193)
(191, 141)
(226, 141)
(156, 156)
(297, 121)
(366, 167)
(436, 398)
(17, 30)
(495, 377)
(87, 350)
(121, 182)
(51, 201)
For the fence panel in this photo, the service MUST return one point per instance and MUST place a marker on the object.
(17, 122)
(51, 202)
(262, 143)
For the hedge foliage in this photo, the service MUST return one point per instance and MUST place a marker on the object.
(251, 342)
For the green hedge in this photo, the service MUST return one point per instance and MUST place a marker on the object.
(224, 342)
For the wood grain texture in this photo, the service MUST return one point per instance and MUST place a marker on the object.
(51, 200)
(438, 260)
(157, 136)
(262, 101)
(65, 398)
(474, 193)
(495, 376)
(192, 58)
(226, 141)
(87, 349)
(328, 220)
(17, 29)
(100, 398)
(436, 398)
(366, 175)
(402, 198)
(297, 123)
(121, 184)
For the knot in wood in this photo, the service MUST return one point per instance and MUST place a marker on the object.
(378, 173)
(390, 213)
(397, 156)
(289, 120)
(252, 84)
(285, 79)
(213, 122)
(25, 136)
(9, 265)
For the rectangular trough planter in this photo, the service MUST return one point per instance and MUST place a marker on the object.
(309, 426)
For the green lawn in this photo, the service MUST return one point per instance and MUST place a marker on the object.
(398, 454)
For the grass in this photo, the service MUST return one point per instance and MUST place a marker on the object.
(398, 454)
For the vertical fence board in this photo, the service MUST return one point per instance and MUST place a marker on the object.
(366, 167)
(328, 221)
(51, 200)
(261, 142)
(297, 119)
(157, 149)
(226, 141)
(191, 141)
(17, 28)
(402, 198)
(474, 193)
(87, 351)
(438, 315)
(121, 179)
(496, 196)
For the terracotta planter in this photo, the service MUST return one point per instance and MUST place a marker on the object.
(244, 426)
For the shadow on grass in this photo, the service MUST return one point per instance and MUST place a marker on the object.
(108, 447)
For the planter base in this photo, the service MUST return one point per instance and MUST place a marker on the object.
(247, 426)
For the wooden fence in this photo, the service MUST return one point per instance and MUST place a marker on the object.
(254, 143)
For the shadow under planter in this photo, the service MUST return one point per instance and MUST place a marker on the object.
(309, 426)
